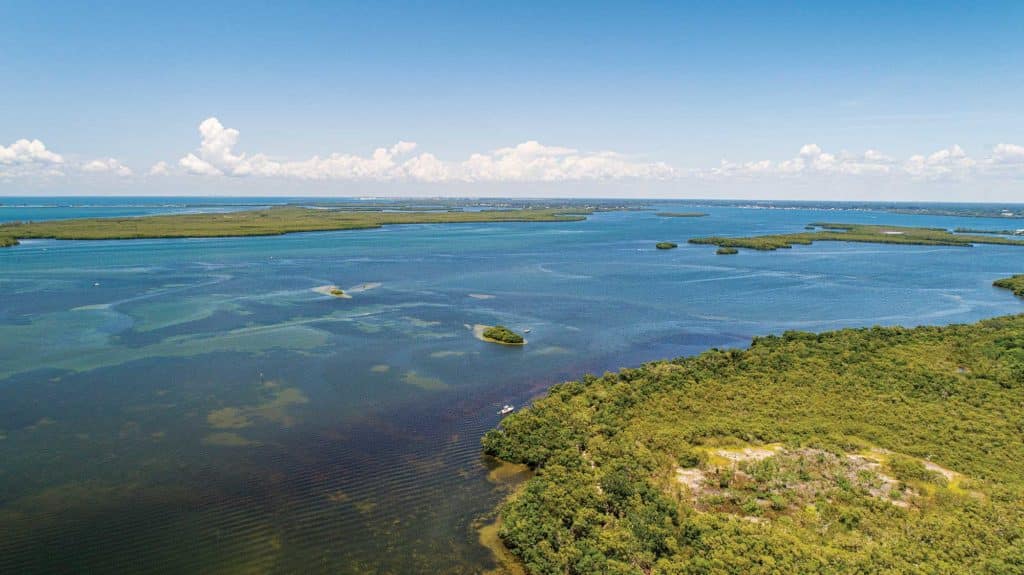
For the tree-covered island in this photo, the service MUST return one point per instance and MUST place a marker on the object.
(666, 245)
(502, 334)
(856, 233)
(263, 222)
(876, 450)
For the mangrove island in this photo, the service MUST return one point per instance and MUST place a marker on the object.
(856, 233)
(863, 450)
(500, 334)
(666, 245)
(263, 222)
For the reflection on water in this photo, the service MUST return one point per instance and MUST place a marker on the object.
(193, 406)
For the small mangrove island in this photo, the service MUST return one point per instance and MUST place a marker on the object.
(666, 245)
(264, 222)
(857, 233)
(1013, 283)
(332, 290)
(873, 450)
(498, 334)
(727, 251)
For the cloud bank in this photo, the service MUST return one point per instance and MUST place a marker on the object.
(218, 156)
(526, 162)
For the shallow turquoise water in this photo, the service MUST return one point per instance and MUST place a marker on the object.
(193, 406)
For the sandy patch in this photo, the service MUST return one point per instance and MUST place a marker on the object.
(228, 418)
(443, 354)
(949, 474)
(748, 453)
(693, 479)
(276, 409)
(424, 382)
(364, 287)
(228, 439)
(552, 350)
(381, 368)
(417, 322)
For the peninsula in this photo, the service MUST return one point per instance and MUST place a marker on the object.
(264, 222)
(856, 233)
(863, 450)
(1012, 283)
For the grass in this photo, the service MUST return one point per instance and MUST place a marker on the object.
(6, 242)
(1013, 283)
(726, 251)
(265, 222)
(611, 453)
(681, 214)
(666, 245)
(856, 233)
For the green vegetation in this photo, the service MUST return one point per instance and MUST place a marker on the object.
(1013, 283)
(502, 334)
(666, 245)
(727, 251)
(6, 242)
(877, 450)
(997, 232)
(336, 291)
(271, 221)
(681, 214)
(856, 233)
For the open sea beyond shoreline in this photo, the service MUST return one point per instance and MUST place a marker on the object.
(193, 405)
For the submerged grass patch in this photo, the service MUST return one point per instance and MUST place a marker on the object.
(424, 382)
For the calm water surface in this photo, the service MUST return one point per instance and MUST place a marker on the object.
(194, 406)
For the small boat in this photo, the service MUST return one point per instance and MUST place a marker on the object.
(506, 410)
(527, 330)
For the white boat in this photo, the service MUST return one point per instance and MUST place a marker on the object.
(506, 410)
(527, 330)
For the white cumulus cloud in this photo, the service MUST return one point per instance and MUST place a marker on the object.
(525, 162)
(28, 152)
(811, 160)
(159, 169)
(110, 165)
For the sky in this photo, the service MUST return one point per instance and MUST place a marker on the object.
(777, 100)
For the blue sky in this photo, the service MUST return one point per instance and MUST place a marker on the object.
(887, 100)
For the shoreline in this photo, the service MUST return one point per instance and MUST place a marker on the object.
(919, 490)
